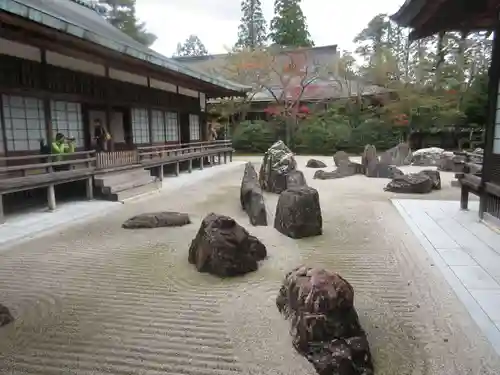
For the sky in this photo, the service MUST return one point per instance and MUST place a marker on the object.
(216, 22)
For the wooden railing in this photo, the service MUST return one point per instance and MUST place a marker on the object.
(31, 171)
(150, 154)
(32, 165)
(114, 159)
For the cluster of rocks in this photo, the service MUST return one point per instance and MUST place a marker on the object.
(371, 165)
(324, 323)
(319, 304)
(384, 166)
(298, 212)
(446, 160)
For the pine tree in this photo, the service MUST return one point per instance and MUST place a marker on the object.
(122, 15)
(252, 29)
(288, 27)
(191, 47)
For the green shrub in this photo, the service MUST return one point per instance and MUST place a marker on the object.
(318, 136)
(322, 135)
(253, 136)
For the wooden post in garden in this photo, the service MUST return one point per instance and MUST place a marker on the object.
(160, 172)
(51, 197)
(89, 188)
(177, 168)
(2, 218)
(190, 165)
(201, 163)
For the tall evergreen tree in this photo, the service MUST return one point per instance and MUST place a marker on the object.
(252, 29)
(122, 15)
(289, 27)
(191, 47)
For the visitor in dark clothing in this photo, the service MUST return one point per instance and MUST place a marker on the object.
(101, 136)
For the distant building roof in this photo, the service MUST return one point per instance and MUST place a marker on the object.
(325, 87)
(80, 18)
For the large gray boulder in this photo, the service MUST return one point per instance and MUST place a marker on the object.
(295, 179)
(251, 198)
(449, 162)
(5, 316)
(369, 156)
(435, 177)
(298, 213)
(314, 163)
(340, 157)
(224, 248)
(428, 157)
(376, 168)
(325, 324)
(412, 183)
(380, 170)
(398, 155)
(345, 168)
(277, 163)
(157, 220)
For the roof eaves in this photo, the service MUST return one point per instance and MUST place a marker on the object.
(52, 21)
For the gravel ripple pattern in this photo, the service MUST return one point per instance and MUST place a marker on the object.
(96, 299)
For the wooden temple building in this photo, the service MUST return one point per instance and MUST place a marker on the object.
(428, 17)
(64, 69)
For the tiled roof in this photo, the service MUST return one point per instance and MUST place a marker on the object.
(84, 22)
(327, 86)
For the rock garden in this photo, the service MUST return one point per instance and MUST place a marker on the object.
(318, 303)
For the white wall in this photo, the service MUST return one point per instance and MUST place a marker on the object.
(71, 63)
(24, 51)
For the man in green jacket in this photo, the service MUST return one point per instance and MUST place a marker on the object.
(60, 146)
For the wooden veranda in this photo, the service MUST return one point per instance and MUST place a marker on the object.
(21, 173)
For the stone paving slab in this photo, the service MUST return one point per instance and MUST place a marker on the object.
(466, 251)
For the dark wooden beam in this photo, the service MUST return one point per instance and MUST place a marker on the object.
(104, 54)
(150, 117)
(46, 100)
(4, 136)
(494, 79)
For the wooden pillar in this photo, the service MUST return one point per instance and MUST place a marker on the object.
(2, 124)
(190, 165)
(109, 113)
(150, 117)
(494, 79)
(160, 172)
(47, 113)
(2, 217)
(225, 157)
(89, 188)
(177, 168)
(51, 197)
(464, 198)
(230, 156)
(201, 163)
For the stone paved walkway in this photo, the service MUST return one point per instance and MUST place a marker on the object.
(466, 251)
